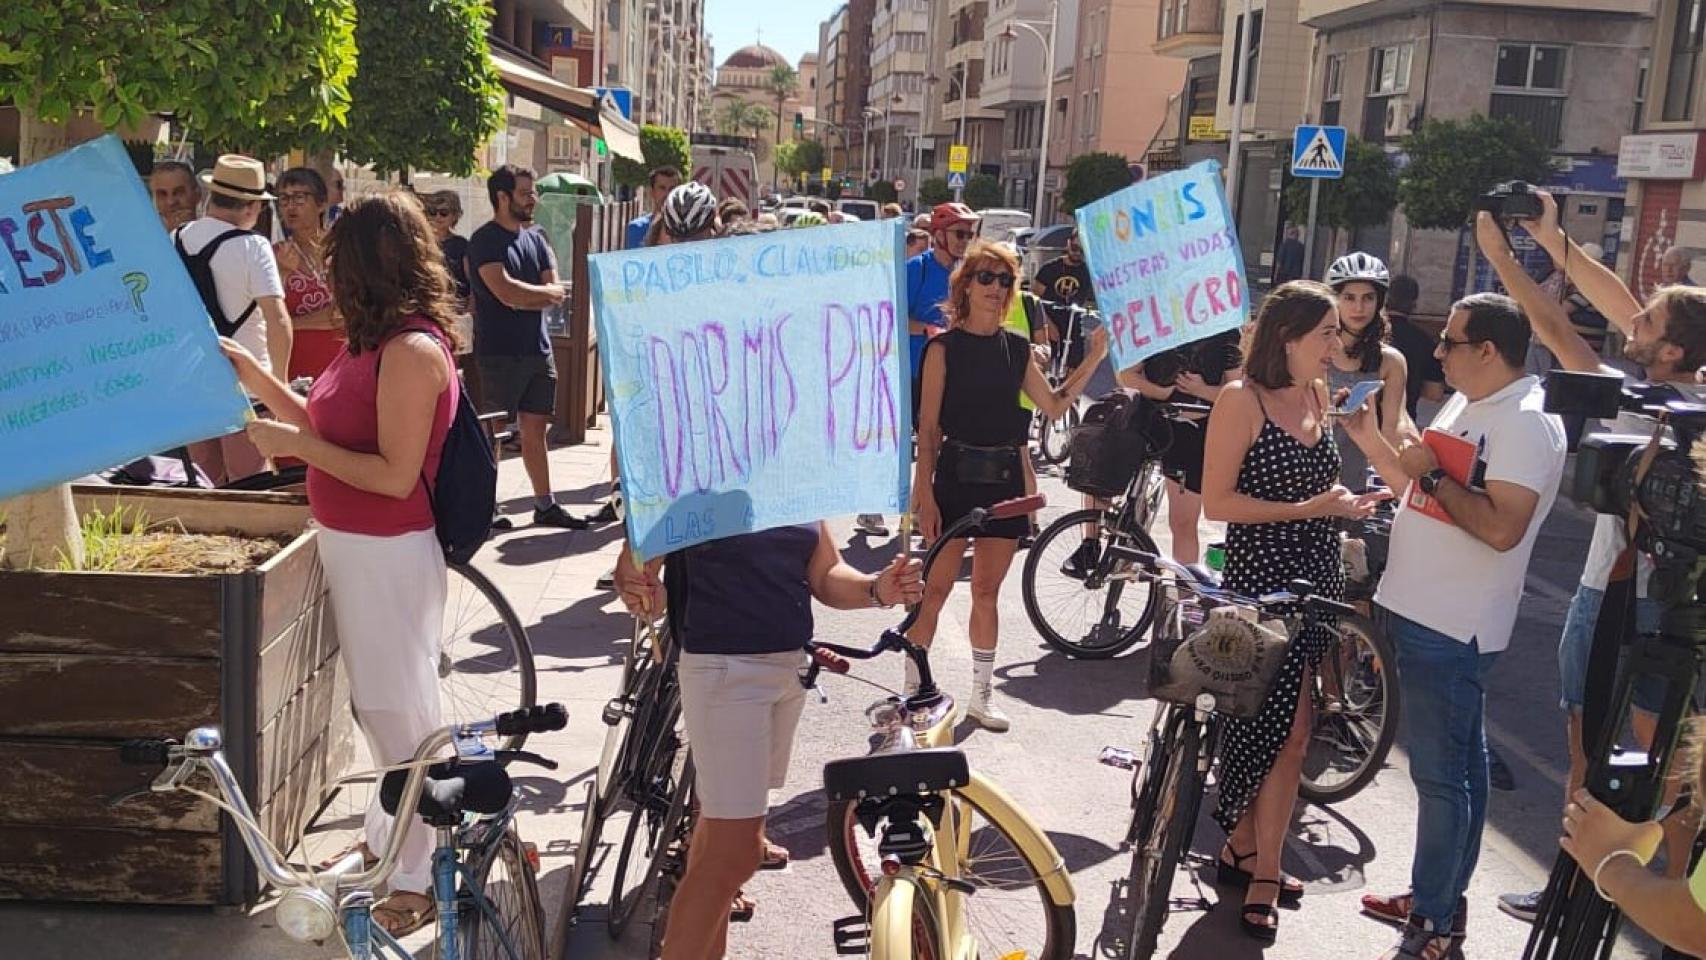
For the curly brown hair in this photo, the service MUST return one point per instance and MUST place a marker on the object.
(981, 255)
(385, 268)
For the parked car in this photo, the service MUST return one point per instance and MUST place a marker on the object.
(1041, 246)
(997, 222)
(860, 207)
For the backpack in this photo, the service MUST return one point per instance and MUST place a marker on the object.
(200, 267)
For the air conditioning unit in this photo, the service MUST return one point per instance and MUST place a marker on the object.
(1398, 115)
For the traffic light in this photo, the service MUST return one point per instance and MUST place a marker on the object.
(799, 124)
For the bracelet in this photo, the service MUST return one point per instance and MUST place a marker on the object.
(877, 601)
(1607, 859)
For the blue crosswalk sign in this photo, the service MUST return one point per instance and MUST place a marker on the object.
(1318, 152)
(956, 181)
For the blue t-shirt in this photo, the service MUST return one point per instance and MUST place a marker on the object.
(926, 290)
(636, 235)
(501, 330)
(743, 594)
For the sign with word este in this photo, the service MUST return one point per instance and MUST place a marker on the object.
(106, 352)
(959, 155)
(1164, 257)
(756, 381)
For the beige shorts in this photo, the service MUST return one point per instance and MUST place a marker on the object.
(741, 711)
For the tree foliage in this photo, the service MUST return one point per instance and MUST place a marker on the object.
(425, 92)
(1092, 176)
(1363, 197)
(782, 82)
(933, 191)
(258, 74)
(983, 191)
(809, 157)
(882, 191)
(662, 147)
(1451, 162)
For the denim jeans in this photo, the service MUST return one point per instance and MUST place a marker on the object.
(1444, 686)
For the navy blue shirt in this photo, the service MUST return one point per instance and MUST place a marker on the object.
(501, 330)
(743, 594)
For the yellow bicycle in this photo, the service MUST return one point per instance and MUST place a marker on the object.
(941, 862)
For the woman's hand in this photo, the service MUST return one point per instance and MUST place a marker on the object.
(929, 518)
(1593, 830)
(901, 582)
(641, 591)
(1096, 346)
(275, 439)
(242, 361)
(1193, 384)
(1341, 502)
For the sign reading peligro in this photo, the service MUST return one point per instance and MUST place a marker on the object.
(1661, 156)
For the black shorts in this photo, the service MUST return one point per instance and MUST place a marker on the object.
(1184, 455)
(519, 384)
(955, 499)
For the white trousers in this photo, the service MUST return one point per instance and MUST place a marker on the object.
(388, 596)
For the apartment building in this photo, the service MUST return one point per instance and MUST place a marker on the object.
(844, 80)
(899, 36)
(1060, 132)
(1665, 163)
(1015, 57)
(957, 111)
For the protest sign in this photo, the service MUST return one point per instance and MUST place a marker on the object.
(106, 352)
(756, 381)
(1165, 261)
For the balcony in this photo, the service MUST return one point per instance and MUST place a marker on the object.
(1189, 28)
(1543, 115)
(1332, 14)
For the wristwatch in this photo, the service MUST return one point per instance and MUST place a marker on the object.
(1429, 482)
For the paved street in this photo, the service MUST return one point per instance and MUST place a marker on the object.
(1064, 713)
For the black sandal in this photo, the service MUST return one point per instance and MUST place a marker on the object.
(1260, 930)
(1235, 876)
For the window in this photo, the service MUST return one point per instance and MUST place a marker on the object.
(1682, 71)
(1389, 69)
(1179, 22)
(1165, 30)
(562, 142)
(1252, 61)
(1333, 83)
(1530, 66)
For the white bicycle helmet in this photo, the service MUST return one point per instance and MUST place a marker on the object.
(689, 209)
(1358, 266)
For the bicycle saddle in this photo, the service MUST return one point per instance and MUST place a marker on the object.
(451, 789)
(906, 773)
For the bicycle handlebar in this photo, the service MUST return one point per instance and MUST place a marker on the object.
(1299, 592)
(540, 718)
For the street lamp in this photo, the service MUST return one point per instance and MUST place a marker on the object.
(960, 137)
(888, 126)
(869, 114)
(1048, 95)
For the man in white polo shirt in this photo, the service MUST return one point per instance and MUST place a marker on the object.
(1460, 549)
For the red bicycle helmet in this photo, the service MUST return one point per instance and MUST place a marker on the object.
(946, 215)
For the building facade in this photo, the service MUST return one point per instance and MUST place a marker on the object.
(745, 77)
(1665, 162)
(844, 81)
(1015, 58)
(899, 34)
(956, 111)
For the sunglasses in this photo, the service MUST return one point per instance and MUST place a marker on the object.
(986, 277)
(961, 234)
(440, 212)
(1449, 343)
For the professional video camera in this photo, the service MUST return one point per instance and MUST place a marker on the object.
(1514, 200)
(1208, 358)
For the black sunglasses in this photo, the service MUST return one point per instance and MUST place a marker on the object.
(987, 277)
(1449, 343)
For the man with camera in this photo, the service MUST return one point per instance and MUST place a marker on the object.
(1668, 340)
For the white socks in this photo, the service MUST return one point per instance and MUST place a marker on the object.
(982, 673)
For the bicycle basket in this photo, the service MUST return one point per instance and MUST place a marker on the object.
(1230, 658)
(1110, 444)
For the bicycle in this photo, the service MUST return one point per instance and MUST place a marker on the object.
(1053, 436)
(1102, 613)
(485, 888)
(940, 862)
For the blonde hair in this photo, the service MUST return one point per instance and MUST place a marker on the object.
(981, 255)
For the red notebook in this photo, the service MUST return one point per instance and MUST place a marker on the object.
(1456, 457)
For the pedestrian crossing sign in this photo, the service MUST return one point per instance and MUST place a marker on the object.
(1318, 152)
(956, 180)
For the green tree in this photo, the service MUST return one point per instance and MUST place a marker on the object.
(662, 147)
(809, 157)
(1454, 161)
(782, 82)
(882, 191)
(1363, 197)
(787, 158)
(933, 191)
(425, 92)
(1092, 176)
(983, 191)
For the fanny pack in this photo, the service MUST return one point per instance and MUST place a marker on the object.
(972, 464)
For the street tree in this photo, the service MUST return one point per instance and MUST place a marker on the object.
(1451, 162)
(933, 191)
(983, 191)
(1092, 176)
(1365, 196)
(662, 147)
(809, 156)
(882, 191)
(782, 82)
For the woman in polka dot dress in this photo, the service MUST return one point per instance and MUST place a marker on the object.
(1271, 473)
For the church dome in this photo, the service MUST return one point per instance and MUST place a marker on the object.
(754, 57)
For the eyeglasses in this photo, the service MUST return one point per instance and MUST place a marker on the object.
(294, 197)
(961, 234)
(986, 277)
(1449, 343)
(440, 212)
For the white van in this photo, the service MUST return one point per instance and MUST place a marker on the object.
(861, 208)
(999, 223)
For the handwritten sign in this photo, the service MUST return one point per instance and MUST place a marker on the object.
(756, 381)
(1166, 264)
(106, 352)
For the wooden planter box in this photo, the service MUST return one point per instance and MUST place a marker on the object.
(88, 660)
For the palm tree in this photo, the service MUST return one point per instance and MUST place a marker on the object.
(784, 83)
(732, 116)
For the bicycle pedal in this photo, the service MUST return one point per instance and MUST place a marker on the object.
(616, 711)
(1119, 757)
(852, 936)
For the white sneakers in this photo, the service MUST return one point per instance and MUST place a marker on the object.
(988, 715)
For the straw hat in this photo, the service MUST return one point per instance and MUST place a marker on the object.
(235, 175)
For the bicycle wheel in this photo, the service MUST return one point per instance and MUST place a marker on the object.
(485, 664)
(1095, 617)
(1156, 857)
(903, 927)
(1146, 783)
(510, 886)
(656, 827)
(1054, 437)
(1348, 746)
(1008, 912)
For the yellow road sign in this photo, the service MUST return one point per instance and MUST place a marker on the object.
(958, 156)
(826, 173)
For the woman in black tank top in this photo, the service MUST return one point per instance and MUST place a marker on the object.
(972, 434)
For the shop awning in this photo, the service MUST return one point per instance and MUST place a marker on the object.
(581, 107)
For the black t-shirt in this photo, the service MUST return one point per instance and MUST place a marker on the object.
(980, 394)
(455, 249)
(743, 594)
(500, 330)
(1069, 283)
(1419, 360)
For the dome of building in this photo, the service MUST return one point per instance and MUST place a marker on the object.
(756, 56)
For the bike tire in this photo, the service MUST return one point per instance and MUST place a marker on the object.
(1373, 724)
(510, 886)
(1054, 437)
(485, 661)
(1071, 617)
(650, 834)
(902, 925)
(1146, 783)
(1156, 859)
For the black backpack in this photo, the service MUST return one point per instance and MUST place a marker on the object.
(1117, 433)
(200, 266)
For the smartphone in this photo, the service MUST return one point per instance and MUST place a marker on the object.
(1358, 396)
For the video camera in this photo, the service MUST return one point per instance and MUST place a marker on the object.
(1513, 200)
(1669, 494)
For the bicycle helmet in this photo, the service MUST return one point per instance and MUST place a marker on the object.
(810, 218)
(689, 209)
(1358, 266)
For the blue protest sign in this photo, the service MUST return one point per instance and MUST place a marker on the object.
(106, 352)
(1165, 260)
(756, 381)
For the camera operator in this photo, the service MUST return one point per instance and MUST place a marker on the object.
(1668, 340)
(1613, 854)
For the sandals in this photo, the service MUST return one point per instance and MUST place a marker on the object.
(400, 921)
(741, 909)
(775, 856)
(368, 860)
(1260, 928)
(1233, 875)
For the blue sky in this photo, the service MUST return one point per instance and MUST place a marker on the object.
(790, 26)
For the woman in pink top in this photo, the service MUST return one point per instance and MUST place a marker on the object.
(371, 433)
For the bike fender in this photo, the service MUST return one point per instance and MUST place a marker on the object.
(891, 917)
(1032, 841)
